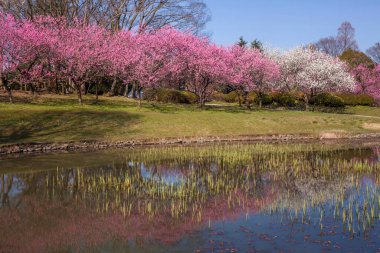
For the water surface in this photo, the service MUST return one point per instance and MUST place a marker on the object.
(220, 198)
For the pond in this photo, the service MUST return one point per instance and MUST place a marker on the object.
(222, 198)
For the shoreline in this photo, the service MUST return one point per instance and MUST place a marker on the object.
(56, 147)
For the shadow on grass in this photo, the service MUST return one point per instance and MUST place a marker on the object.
(168, 108)
(63, 100)
(121, 102)
(65, 125)
(16, 99)
(227, 108)
(173, 108)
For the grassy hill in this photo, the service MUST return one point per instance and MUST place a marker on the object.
(52, 118)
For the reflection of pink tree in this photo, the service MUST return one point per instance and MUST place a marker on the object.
(376, 153)
(69, 219)
(58, 225)
(6, 183)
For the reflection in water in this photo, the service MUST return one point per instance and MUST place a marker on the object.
(224, 197)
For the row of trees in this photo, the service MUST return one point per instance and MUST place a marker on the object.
(74, 56)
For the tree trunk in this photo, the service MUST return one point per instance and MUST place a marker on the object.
(88, 89)
(33, 90)
(56, 86)
(138, 95)
(63, 86)
(80, 100)
(202, 100)
(8, 88)
(247, 104)
(125, 91)
(113, 87)
(83, 89)
(260, 97)
(79, 92)
(96, 93)
(306, 102)
(239, 98)
(70, 86)
(312, 92)
(203, 91)
(134, 88)
(201, 104)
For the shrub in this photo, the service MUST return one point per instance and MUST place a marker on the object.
(102, 89)
(150, 94)
(300, 96)
(231, 97)
(267, 99)
(218, 96)
(171, 96)
(355, 58)
(285, 99)
(191, 97)
(252, 97)
(165, 96)
(356, 99)
(327, 99)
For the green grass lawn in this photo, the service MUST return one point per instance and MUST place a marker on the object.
(364, 110)
(60, 118)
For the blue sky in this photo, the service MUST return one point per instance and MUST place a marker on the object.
(288, 23)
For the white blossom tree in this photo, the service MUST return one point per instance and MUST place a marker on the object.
(326, 75)
(311, 71)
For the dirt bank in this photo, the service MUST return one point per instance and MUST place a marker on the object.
(96, 145)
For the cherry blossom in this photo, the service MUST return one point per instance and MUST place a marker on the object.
(367, 80)
(254, 70)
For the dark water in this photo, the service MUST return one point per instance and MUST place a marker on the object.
(223, 198)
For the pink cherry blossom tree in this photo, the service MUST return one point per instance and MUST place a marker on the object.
(124, 55)
(8, 52)
(157, 58)
(201, 65)
(367, 80)
(170, 58)
(24, 50)
(254, 70)
(82, 54)
(37, 51)
(33, 52)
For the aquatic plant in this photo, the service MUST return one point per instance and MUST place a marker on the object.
(181, 188)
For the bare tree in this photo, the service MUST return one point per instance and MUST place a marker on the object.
(343, 41)
(346, 37)
(83, 9)
(139, 15)
(374, 52)
(329, 45)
